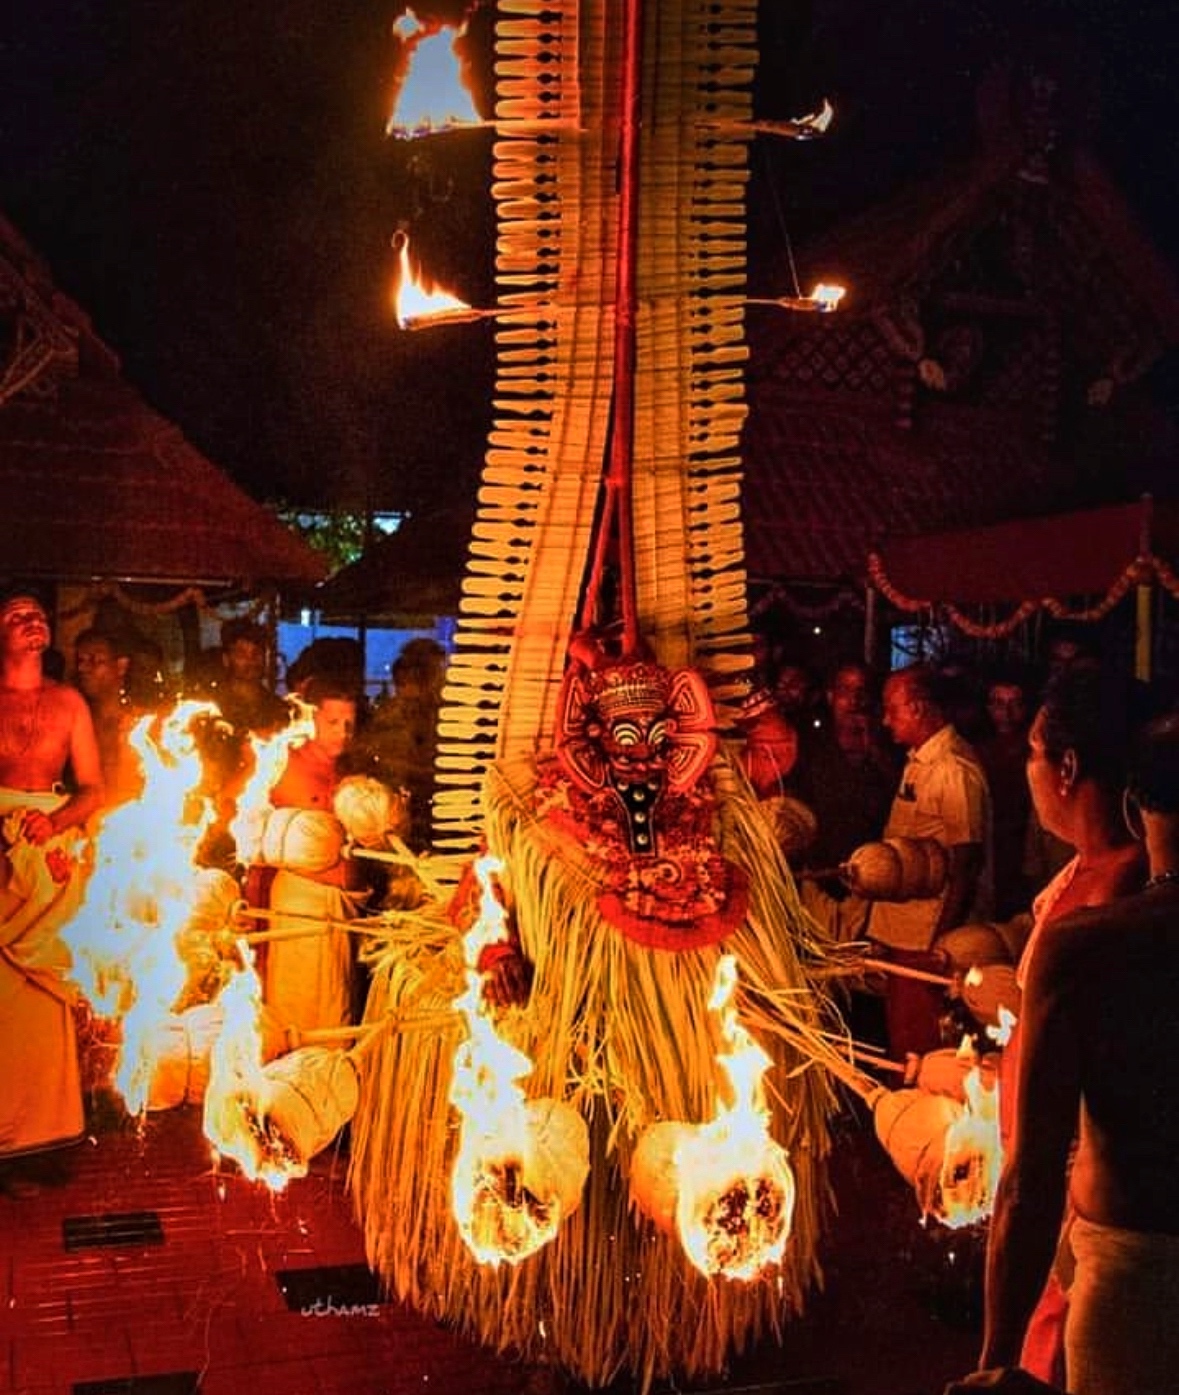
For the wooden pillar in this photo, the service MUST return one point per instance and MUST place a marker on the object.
(870, 624)
(1143, 632)
(1143, 629)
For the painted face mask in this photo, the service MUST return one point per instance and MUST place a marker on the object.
(634, 745)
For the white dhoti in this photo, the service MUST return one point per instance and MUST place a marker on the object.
(40, 1083)
(1121, 1334)
(308, 981)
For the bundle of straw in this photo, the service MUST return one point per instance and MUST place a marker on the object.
(622, 1032)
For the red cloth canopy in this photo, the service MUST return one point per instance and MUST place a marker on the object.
(1031, 559)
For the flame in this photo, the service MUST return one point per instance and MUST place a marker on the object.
(139, 896)
(736, 1192)
(820, 120)
(156, 935)
(973, 1155)
(141, 920)
(500, 1217)
(236, 1120)
(415, 300)
(1001, 1034)
(240, 1120)
(432, 94)
(824, 299)
(269, 761)
(827, 297)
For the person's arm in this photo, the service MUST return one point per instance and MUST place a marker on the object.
(1030, 1202)
(965, 864)
(87, 772)
(86, 765)
(963, 801)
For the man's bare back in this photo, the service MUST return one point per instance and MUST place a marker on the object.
(1098, 1007)
(1108, 977)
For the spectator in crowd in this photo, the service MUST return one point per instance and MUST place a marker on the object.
(148, 684)
(399, 741)
(796, 695)
(943, 795)
(101, 663)
(45, 728)
(1068, 646)
(1075, 770)
(247, 708)
(942, 798)
(1003, 751)
(850, 773)
(333, 657)
(850, 691)
(246, 703)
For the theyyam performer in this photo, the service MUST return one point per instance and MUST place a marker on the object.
(603, 646)
(44, 726)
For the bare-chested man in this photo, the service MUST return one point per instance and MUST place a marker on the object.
(101, 666)
(45, 727)
(1098, 1016)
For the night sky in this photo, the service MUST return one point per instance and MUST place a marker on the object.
(212, 182)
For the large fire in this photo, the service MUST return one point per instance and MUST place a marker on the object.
(140, 896)
(521, 1163)
(160, 953)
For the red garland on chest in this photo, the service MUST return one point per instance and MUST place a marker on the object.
(683, 896)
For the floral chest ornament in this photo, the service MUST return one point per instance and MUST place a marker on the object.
(631, 785)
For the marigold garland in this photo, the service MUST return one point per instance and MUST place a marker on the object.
(190, 595)
(778, 595)
(1145, 570)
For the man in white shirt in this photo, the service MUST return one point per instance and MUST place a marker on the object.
(943, 795)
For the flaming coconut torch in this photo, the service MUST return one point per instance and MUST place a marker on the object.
(725, 1187)
(521, 1163)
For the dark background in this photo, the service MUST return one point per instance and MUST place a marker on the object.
(213, 183)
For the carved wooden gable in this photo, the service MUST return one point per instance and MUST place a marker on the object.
(1028, 310)
(995, 312)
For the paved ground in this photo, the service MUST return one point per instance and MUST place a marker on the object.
(150, 1272)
